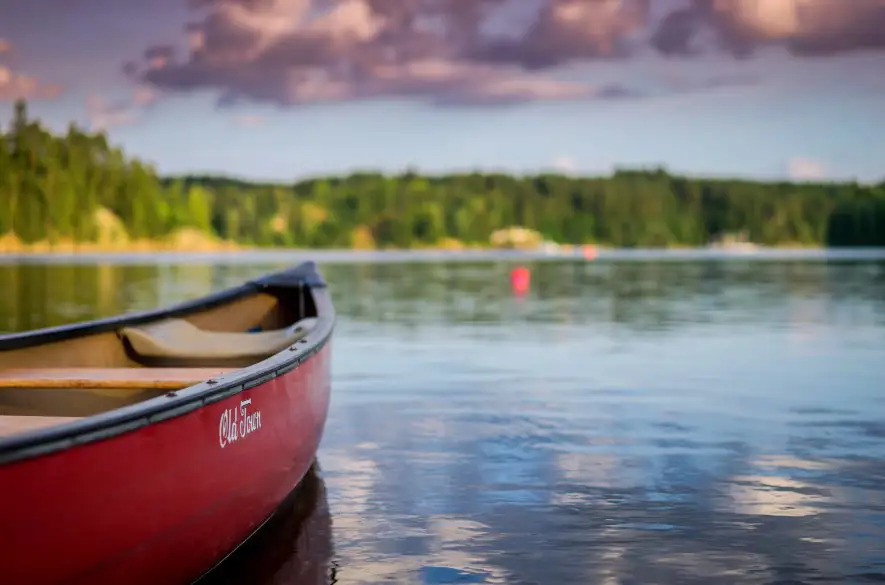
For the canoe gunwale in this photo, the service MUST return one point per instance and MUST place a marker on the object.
(180, 402)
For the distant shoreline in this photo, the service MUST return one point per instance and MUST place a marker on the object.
(98, 200)
(233, 249)
(201, 244)
(335, 256)
(43, 249)
(193, 242)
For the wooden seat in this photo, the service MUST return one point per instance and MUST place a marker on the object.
(178, 339)
(13, 425)
(112, 378)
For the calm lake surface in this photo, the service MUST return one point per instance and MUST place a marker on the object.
(626, 421)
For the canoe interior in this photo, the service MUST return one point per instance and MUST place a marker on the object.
(91, 372)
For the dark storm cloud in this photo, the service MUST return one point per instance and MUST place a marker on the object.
(476, 51)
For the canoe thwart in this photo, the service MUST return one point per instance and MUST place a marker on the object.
(12, 425)
(179, 339)
(118, 378)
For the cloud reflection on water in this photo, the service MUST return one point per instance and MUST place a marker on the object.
(623, 423)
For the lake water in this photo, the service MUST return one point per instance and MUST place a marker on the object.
(627, 421)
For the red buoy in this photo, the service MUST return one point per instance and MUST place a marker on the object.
(520, 278)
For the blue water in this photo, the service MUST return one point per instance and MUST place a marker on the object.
(699, 420)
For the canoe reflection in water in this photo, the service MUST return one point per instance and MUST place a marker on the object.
(294, 546)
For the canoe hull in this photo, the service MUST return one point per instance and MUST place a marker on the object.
(167, 501)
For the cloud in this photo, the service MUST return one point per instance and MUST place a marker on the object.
(457, 52)
(249, 120)
(105, 115)
(805, 27)
(806, 169)
(564, 164)
(679, 82)
(15, 85)
(301, 51)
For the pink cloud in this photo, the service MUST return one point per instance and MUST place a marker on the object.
(249, 120)
(15, 85)
(564, 164)
(448, 52)
(105, 115)
(303, 51)
(806, 169)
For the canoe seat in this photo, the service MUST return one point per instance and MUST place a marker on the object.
(180, 340)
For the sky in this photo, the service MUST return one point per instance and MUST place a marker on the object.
(284, 89)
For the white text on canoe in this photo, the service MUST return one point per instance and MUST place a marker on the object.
(236, 424)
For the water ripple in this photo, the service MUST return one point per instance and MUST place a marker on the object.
(628, 421)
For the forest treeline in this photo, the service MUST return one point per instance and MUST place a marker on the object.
(76, 187)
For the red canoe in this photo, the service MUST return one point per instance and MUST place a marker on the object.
(144, 449)
(294, 547)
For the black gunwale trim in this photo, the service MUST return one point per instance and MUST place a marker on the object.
(112, 423)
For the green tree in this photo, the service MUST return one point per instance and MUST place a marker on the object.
(55, 187)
